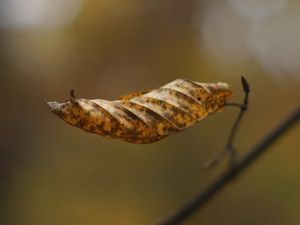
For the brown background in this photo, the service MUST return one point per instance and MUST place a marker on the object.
(52, 173)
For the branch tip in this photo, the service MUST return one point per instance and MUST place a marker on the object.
(245, 84)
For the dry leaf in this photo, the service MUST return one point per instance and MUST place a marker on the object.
(145, 117)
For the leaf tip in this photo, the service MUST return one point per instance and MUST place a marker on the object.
(72, 96)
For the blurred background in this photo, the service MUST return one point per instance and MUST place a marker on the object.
(51, 173)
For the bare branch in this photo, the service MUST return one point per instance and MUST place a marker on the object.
(207, 194)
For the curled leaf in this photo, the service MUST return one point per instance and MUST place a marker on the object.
(145, 117)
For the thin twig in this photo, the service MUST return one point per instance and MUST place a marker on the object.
(229, 148)
(207, 194)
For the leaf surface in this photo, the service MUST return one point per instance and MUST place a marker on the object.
(146, 117)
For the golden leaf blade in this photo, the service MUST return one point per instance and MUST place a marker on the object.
(145, 117)
(190, 105)
(132, 95)
(159, 124)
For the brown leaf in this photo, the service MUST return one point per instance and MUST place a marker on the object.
(146, 117)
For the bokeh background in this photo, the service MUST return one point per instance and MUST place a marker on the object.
(51, 173)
